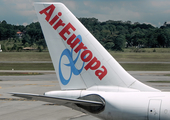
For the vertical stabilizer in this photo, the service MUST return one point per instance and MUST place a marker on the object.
(80, 61)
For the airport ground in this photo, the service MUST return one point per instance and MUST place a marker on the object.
(131, 61)
(13, 108)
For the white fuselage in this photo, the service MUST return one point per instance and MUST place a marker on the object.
(136, 106)
(127, 105)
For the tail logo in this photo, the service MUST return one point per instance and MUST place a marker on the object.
(72, 63)
(76, 44)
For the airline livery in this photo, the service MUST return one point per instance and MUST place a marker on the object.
(91, 80)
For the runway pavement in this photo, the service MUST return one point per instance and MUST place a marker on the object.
(12, 108)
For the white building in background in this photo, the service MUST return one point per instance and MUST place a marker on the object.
(0, 48)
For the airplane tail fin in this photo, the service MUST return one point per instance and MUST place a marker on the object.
(80, 61)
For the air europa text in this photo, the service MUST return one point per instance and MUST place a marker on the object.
(86, 56)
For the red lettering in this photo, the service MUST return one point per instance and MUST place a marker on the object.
(74, 43)
(59, 13)
(93, 64)
(59, 23)
(101, 73)
(86, 55)
(54, 20)
(81, 46)
(71, 39)
(66, 30)
(50, 9)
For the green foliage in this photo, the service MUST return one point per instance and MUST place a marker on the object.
(118, 34)
(119, 43)
(15, 47)
(113, 35)
(26, 40)
(3, 48)
(109, 45)
(39, 49)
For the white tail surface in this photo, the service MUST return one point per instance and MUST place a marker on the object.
(80, 61)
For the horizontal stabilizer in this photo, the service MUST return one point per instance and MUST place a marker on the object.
(57, 100)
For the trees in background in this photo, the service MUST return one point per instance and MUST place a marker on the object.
(114, 35)
(117, 35)
(30, 35)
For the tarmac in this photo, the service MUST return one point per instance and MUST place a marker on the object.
(13, 108)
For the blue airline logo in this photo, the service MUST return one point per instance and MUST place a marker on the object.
(74, 70)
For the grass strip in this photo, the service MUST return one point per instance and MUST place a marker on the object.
(26, 66)
(141, 57)
(163, 56)
(159, 81)
(19, 73)
(145, 67)
(25, 56)
(49, 66)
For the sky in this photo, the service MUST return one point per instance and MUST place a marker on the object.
(155, 12)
